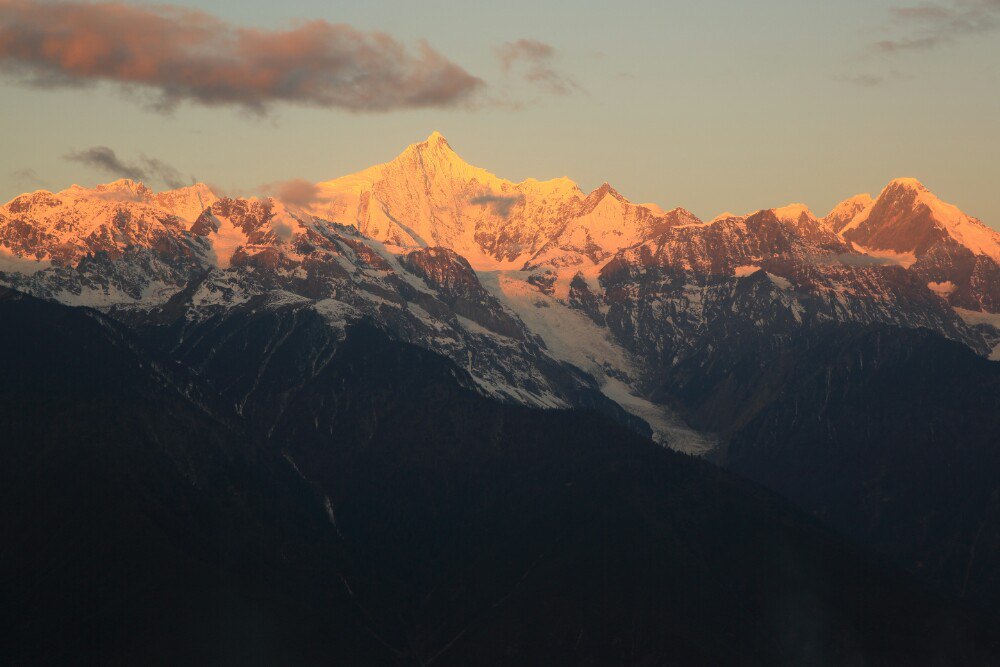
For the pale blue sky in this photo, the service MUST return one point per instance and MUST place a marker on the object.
(714, 105)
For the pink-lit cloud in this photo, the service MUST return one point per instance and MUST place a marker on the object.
(297, 192)
(174, 54)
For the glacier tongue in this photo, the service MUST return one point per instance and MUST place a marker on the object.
(573, 337)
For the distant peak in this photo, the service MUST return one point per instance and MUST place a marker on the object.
(435, 141)
(121, 184)
(916, 217)
(724, 216)
(683, 216)
(197, 186)
(908, 189)
(434, 149)
(851, 205)
(126, 187)
(849, 213)
(793, 212)
(606, 189)
(860, 199)
(906, 184)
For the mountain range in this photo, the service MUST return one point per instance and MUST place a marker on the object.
(542, 291)
(846, 362)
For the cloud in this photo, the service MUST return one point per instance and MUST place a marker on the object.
(927, 26)
(106, 160)
(524, 49)
(297, 192)
(907, 44)
(28, 176)
(500, 204)
(533, 59)
(921, 13)
(174, 54)
(165, 173)
(869, 80)
(113, 195)
(863, 80)
(283, 231)
(864, 260)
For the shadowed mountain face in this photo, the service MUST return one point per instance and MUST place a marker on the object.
(392, 515)
(888, 435)
(140, 527)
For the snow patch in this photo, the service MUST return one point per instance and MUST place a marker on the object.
(746, 270)
(337, 313)
(903, 259)
(977, 318)
(667, 428)
(783, 283)
(942, 289)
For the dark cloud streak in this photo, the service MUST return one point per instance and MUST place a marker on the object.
(925, 27)
(179, 55)
(534, 60)
(28, 176)
(164, 172)
(863, 80)
(501, 204)
(105, 159)
(871, 80)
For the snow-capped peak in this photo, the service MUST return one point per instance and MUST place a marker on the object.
(906, 183)
(605, 190)
(792, 213)
(428, 196)
(849, 213)
(437, 138)
(110, 218)
(186, 203)
(126, 185)
(909, 218)
(122, 190)
(434, 149)
(724, 216)
(964, 229)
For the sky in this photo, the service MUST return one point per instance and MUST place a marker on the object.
(714, 106)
